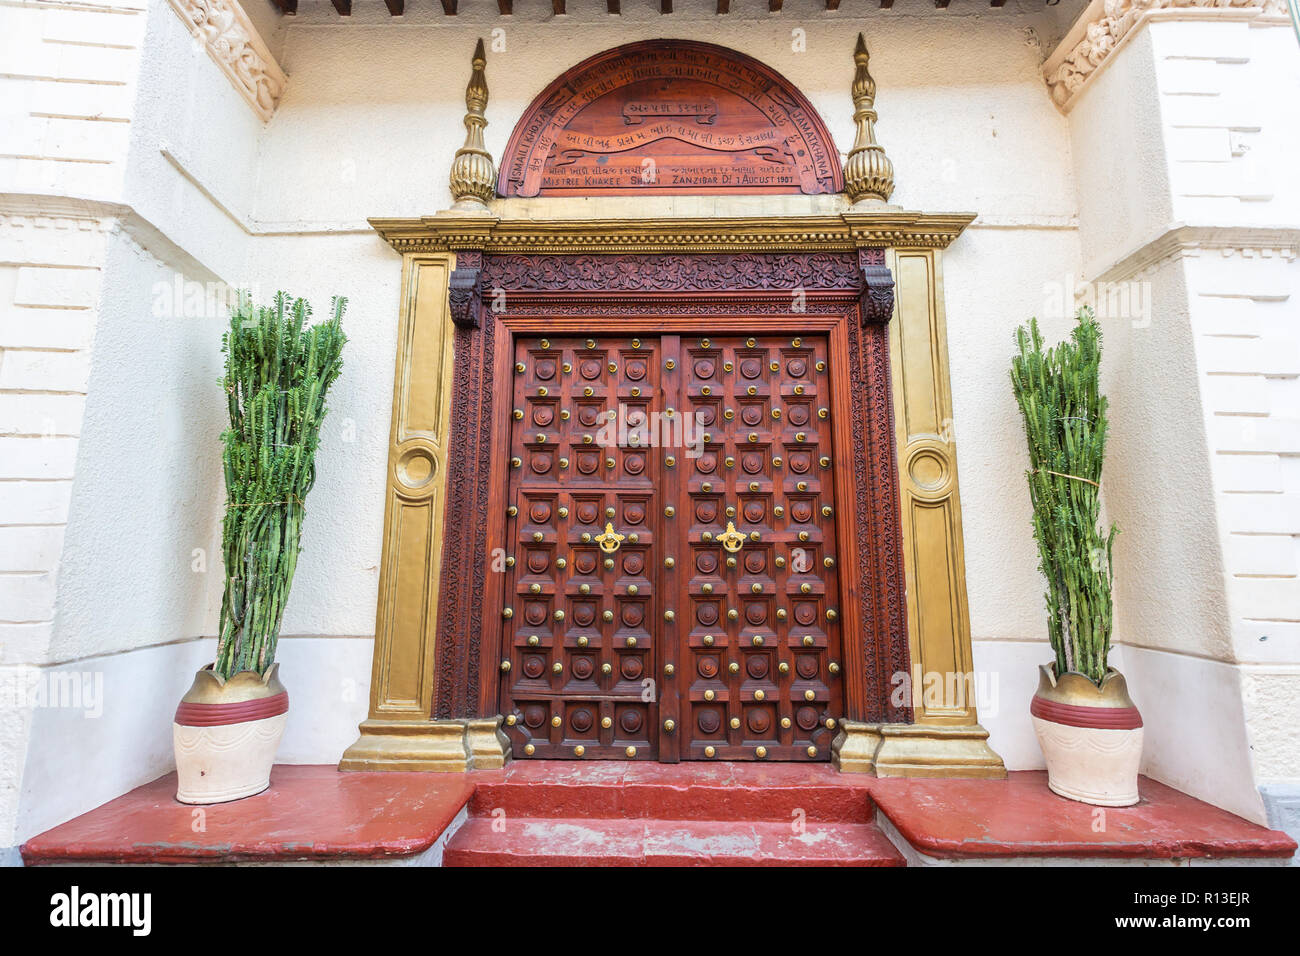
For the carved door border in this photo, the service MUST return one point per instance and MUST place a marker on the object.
(654, 293)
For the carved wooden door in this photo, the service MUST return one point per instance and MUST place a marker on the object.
(671, 550)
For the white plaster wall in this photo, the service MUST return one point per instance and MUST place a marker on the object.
(200, 198)
(80, 757)
(68, 88)
(1119, 158)
(994, 279)
(1232, 162)
(1205, 393)
(142, 561)
(118, 735)
(1227, 93)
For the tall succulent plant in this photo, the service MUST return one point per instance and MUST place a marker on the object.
(1065, 424)
(277, 376)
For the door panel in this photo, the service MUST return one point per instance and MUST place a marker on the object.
(582, 529)
(760, 601)
(671, 560)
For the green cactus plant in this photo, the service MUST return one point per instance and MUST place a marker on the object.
(1065, 424)
(277, 376)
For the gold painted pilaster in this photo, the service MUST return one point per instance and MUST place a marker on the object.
(946, 739)
(932, 750)
(399, 733)
(437, 745)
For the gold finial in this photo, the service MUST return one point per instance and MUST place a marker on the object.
(868, 173)
(473, 175)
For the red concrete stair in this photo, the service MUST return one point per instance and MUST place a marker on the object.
(593, 813)
(567, 814)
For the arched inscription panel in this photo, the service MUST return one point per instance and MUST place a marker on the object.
(669, 117)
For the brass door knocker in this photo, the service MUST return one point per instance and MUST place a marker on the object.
(609, 540)
(731, 539)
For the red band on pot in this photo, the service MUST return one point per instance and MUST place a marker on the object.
(218, 715)
(1075, 715)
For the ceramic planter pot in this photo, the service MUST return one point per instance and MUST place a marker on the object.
(1091, 736)
(225, 735)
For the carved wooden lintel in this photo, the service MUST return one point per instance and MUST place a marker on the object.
(877, 287)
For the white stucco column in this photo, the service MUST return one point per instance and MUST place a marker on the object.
(1184, 141)
(109, 455)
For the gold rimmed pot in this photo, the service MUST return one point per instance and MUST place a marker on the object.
(1090, 735)
(225, 735)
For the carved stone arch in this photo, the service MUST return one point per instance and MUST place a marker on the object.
(676, 117)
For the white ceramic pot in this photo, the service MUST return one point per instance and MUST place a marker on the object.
(225, 735)
(1091, 737)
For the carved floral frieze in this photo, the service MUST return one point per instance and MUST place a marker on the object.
(1116, 19)
(235, 46)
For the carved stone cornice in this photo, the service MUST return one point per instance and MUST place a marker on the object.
(843, 231)
(1181, 239)
(1106, 23)
(236, 47)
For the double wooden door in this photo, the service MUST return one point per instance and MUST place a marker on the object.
(670, 549)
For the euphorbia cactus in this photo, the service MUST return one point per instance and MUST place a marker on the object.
(1065, 424)
(277, 376)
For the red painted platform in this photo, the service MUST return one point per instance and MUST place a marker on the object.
(1020, 817)
(642, 814)
(309, 813)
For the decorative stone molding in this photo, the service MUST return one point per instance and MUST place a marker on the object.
(1105, 23)
(236, 47)
(1282, 242)
(846, 231)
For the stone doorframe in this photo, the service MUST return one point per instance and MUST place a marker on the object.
(421, 717)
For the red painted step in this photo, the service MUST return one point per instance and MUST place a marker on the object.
(551, 841)
(737, 792)
(546, 813)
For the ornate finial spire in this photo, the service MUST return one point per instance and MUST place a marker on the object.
(868, 173)
(473, 175)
